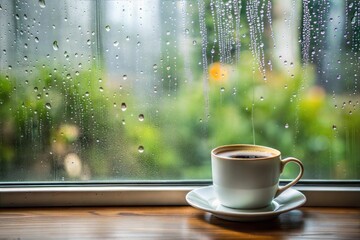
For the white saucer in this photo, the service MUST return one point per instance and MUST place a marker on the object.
(204, 198)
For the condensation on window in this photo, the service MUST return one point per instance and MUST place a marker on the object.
(129, 90)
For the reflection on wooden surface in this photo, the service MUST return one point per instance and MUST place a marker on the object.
(181, 222)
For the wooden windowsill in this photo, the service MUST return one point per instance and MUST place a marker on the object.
(180, 222)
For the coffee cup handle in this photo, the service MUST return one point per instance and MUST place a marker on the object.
(293, 182)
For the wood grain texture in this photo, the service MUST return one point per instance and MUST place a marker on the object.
(181, 222)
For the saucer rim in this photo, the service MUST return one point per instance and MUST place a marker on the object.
(246, 214)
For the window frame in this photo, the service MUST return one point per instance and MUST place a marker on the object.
(74, 194)
(43, 194)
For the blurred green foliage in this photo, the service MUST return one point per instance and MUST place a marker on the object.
(45, 118)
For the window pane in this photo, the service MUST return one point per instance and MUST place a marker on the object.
(143, 90)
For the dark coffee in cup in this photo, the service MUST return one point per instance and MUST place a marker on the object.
(245, 154)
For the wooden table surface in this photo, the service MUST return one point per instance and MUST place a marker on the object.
(180, 222)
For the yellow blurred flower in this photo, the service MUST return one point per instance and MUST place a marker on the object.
(315, 96)
(218, 72)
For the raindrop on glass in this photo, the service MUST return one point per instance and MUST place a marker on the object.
(116, 43)
(42, 3)
(107, 28)
(155, 67)
(124, 77)
(48, 106)
(140, 149)
(141, 117)
(123, 107)
(286, 125)
(55, 45)
(101, 89)
(334, 127)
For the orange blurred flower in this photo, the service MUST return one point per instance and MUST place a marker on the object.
(218, 72)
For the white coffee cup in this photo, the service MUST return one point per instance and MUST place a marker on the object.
(247, 176)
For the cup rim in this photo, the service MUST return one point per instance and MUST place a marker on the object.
(225, 148)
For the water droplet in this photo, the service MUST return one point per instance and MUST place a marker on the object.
(107, 28)
(222, 89)
(261, 98)
(87, 94)
(141, 117)
(141, 149)
(88, 42)
(114, 104)
(127, 38)
(187, 31)
(48, 106)
(155, 67)
(123, 106)
(36, 39)
(123, 122)
(55, 45)
(101, 89)
(194, 42)
(286, 125)
(35, 89)
(116, 43)
(353, 20)
(124, 77)
(42, 3)
(334, 127)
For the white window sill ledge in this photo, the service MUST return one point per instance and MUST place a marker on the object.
(45, 196)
